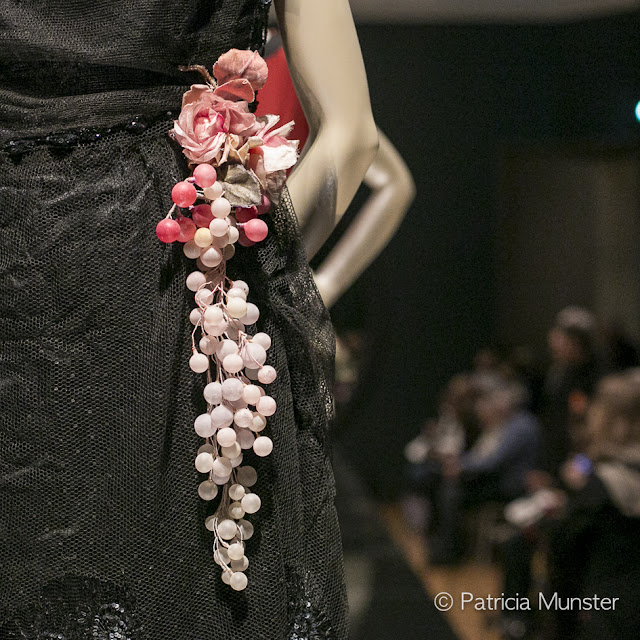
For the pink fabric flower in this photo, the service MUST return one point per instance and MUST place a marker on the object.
(205, 121)
(241, 63)
(278, 152)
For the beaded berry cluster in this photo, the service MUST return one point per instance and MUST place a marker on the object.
(239, 164)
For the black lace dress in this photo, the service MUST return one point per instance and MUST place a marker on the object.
(101, 528)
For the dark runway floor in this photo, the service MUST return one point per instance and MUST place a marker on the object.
(386, 599)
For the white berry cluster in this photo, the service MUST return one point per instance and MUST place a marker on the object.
(237, 410)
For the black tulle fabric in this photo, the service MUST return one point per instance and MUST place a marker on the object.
(101, 529)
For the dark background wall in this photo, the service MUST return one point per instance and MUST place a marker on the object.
(450, 98)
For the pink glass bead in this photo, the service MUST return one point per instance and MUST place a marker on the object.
(202, 215)
(244, 214)
(167, 230)
(183, 194)
(243, 241)
(256, 230)
(205, 175)
(187, 229)
(265, 206)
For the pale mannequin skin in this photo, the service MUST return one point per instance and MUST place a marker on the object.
(343, 142)
(332, 88)
(393, 191)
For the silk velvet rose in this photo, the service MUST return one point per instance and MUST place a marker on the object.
(205, 121)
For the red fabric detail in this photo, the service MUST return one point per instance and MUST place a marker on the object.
(279, 96)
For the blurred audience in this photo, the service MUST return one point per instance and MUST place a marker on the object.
(569, 477)
(492, 469)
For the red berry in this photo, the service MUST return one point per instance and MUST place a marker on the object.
(202, 215)
(167, 230)
(243, 241)
(244, 214)
(256, 230)
(187, 229)
(265, 205)
(183, 194)
(205, 175)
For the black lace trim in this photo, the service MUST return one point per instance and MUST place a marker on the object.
(84, 135)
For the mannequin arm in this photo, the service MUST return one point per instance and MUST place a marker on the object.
(325, 62)
(374, 225)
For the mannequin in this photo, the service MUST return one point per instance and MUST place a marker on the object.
(393, 191)
(342, 134)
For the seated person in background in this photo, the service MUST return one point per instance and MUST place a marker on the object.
(595, 546)
(494, 469)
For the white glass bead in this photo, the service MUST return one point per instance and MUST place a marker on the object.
(235, 550)
(238, 581)
(246, 529)
(207, 345)
(227, 529)
(236, 307)
(229, 251)
(207, 448)
(236, 492)
(226, 575)
(235, 326)
(251, 394)
(204, 297)
(251, 503)
(263, 339)
(199, 363)
(221, 417)
(195, 279)
(259, 423)
(232, 452)
(263, 446)
(247, 476)
(191, 250)
(220, 242)
(252, 314)
(233, 234)
(243, 418)
(213, 393)
(213, 314)
(220, 479)
(221, 467)
(232, 389)
(266, 406)
(240, 565)
(236, 511)
(236, 292)
(204, 462)
(267, 374)
(238, 404)
(225, 348)
(195, 316)
(202, 237)
(233, 363)
(203, 426)
(254, 355)
(210, 521)
(219, 227)
(213, 192)
(252, 374)
(216, 329)
(226, 437)
(220, 554)
(241, 284)
(245, 438)
(220, 208)
(236, 462)
(208, 490)
(211, 257)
